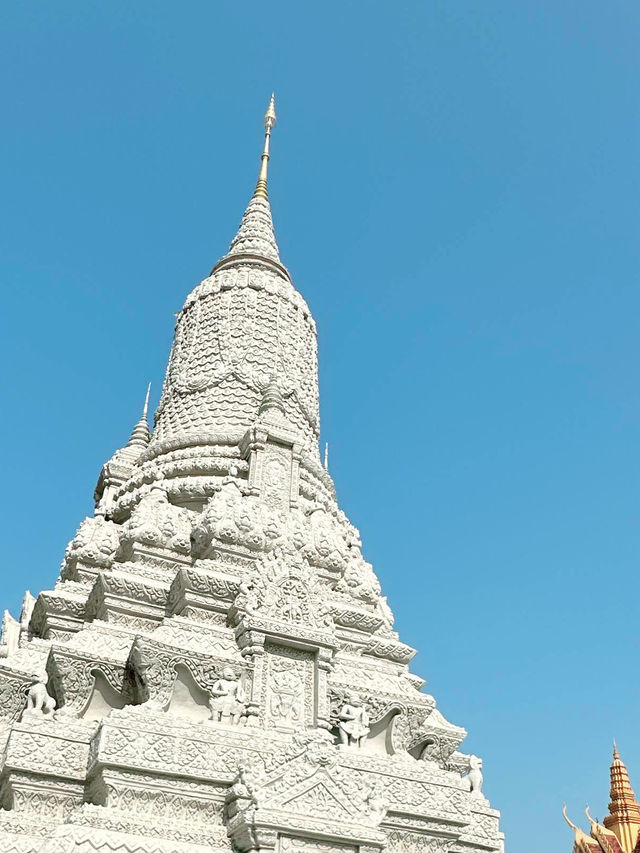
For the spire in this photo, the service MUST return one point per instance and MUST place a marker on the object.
(624, 811)
(326, 456)
(269, 123)
(141, 434)
(116, 470)
(256, 237)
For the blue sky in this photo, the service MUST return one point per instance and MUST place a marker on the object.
(455, 187)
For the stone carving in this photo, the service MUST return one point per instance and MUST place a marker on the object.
(234, 517)
(225, 666)
(402, 841)
(302, 845)
(359, 579)
(10, 635)
(13, 687)
(321, 540)
(436, 739)
(285, 590)
(353, 724)
(376, 804)
(38, 700)
(288, 704)
(228, 699)
(474, 776)
(93, 547)
(156, 523)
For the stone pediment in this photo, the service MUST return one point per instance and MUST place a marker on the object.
(319, 797)
(284, 598)
(310, 774)
(311, 793)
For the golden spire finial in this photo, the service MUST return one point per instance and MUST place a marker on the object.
(269, 123)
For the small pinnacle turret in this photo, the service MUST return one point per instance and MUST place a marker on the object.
(141, 434)
(272, 399)
(120, 466)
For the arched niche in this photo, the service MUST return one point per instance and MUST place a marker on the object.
(188, 699)
(103, 699)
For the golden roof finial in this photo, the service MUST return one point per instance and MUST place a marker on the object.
(269, 124)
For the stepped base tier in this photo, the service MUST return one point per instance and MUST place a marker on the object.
(216, 667)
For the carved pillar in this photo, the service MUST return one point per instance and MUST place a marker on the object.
(252, 647)
(323, 705)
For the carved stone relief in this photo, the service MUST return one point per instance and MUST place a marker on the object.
(289, 694)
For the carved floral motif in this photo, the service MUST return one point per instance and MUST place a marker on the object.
(156, 523)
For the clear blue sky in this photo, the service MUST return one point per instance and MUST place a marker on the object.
(455, 186)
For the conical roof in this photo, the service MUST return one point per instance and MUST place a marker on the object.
(256, 236)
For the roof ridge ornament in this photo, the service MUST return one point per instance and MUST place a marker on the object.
(269, 123)
(565, 816)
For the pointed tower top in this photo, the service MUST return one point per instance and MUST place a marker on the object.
(256, 238)
(624, 811)
(141, 434)
(145, 408)
(269, 123)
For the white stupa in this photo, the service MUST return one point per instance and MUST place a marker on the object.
(215, 667)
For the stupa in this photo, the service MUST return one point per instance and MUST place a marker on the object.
(216, 667)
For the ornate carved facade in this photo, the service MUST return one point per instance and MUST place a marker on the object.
(216, 667)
